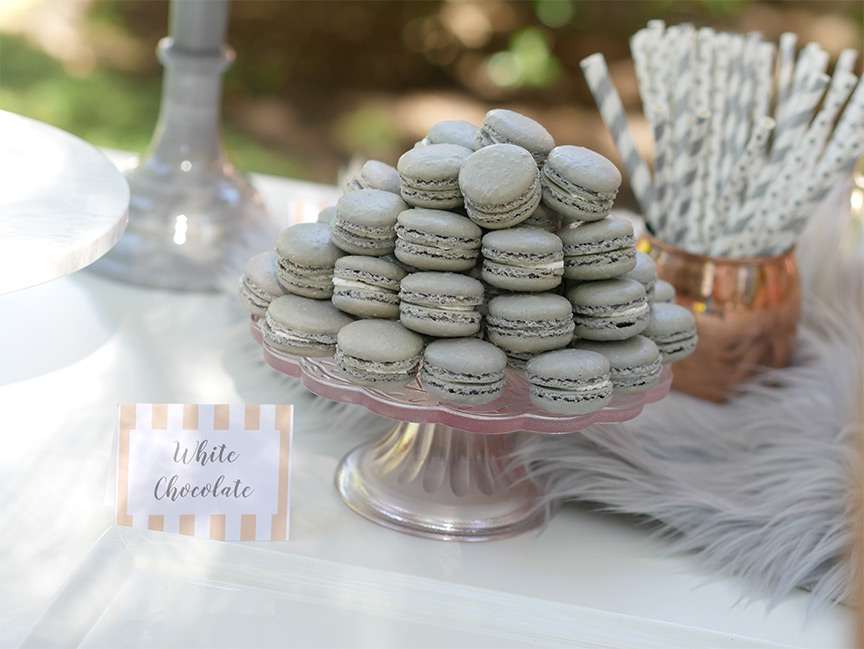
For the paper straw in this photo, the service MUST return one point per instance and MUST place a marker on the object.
(745, 96)
(806, 151)
(730, 113)
(785, 67)
(829, 172)
(798, 117)
(738, 178)
(685, 188)
(683, 66)
(712, 186)
(853, 115)
(762, 91)
(612, 111)
(659, 123)
(845, 61)
(640, 51)
(704, 65)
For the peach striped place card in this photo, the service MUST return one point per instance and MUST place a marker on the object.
(216, 471)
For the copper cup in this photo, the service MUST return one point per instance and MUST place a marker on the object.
(746, 314)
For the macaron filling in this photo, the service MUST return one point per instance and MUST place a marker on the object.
(285, 338)
(372, 371)
(575, 196)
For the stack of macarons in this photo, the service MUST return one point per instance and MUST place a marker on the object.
(484, 246)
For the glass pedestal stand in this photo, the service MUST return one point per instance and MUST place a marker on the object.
(443, 471)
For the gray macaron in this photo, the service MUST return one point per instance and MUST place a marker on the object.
(451, 132)
(644, 271)
(303, 326)
(441, 304)
(522, 259)
(365, 222)
(305, 257)
(673, 328)
(635, 363)
(609, 309)
(379, 353)
(598, 249)
(544, 218)
(529, 323)
(258, 285)
(579, 183)
(437, 240)
(429, 175)
(502, 126)
(569, 381)
(375, 174)
(367, 287)
(664, 291)
(501, 186)
(463, 371)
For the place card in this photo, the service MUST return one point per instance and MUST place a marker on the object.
(215, 471)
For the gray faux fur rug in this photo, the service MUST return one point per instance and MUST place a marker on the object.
(762, 487)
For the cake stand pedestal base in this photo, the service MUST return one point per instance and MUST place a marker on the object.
(434, 481)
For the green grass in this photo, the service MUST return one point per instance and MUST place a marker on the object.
(107, 107)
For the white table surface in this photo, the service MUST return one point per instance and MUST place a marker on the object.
(63, 204)
(72, 349)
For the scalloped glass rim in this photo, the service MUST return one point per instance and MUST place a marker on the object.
(512, 412)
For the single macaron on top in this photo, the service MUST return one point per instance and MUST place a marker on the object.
(365, 222)
(258, 285)
(303, 326)
(522, 259)
(367, 287)
(569, 381)
(437, 240)
(379, 353)
(598, 249)
(429, 175)
(501, 186)
(673, 328)
(529, 323)
(609, 309)
(635, 363)
(463, 371)
(441, 304)
(502, 126)
(579, 183)
(451, 132)
(305, 257)
(375, 174)
(644, 271)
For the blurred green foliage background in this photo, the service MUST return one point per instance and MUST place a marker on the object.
(317, 83)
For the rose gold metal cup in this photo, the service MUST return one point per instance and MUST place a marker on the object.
(746, 315)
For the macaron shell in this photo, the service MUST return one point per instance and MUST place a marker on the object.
(501, 185)
(452, 132)
(308, 244)
(635, 363)
(382, 341)
(664, 291)
(509, 127)
(673, 329)
(463, 371)
(585, 168)
(569, 381)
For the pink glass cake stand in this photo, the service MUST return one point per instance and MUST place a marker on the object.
(444, 471)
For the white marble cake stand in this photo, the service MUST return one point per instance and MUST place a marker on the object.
(63, 203)
(443, 471)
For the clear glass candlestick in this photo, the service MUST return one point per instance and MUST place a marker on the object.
(190, 210)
